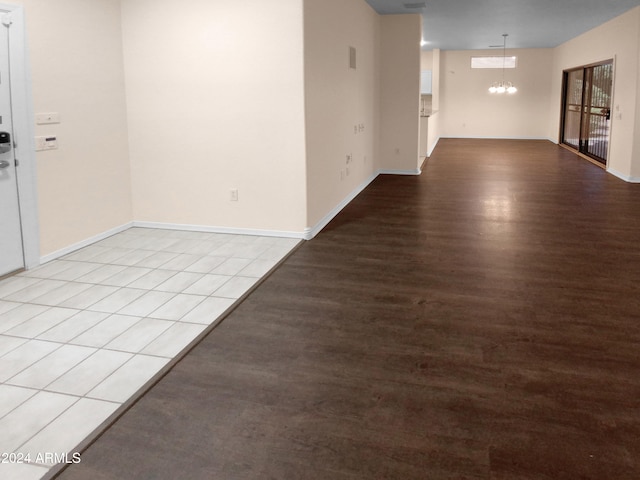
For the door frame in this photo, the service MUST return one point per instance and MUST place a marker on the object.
(611, 60)
(23, 130)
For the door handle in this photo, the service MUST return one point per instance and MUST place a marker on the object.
(5, 143)
(4, 164)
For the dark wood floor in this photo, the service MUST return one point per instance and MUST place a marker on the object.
(481, 321)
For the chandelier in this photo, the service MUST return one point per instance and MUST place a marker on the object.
(503, 86)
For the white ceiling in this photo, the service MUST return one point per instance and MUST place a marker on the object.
(477, 24)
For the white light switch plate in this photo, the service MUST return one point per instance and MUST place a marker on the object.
(46, 143)
(47, 118)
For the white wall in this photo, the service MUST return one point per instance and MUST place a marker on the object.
(618, 39)
(467, 109)
(382, 94)
(436, 84)
(215, 102)
(77, 70)
(426, 60)
(635, 154)
(426, 63)
(433, 134)
(339, 100)
(400, 94)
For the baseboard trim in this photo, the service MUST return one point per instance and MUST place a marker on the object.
(311, 232)
(84, 243)
(433, 147)
(167, 226)
(214, 229)
(499, 138)
(307, 234)
(417, 171)
(621, 176)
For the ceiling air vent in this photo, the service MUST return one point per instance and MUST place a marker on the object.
(415, 5)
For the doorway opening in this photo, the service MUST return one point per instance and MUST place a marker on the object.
(586, 112)
(19, 239)
(11, 250)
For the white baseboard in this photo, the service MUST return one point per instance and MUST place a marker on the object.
(433, 147)
(417, 171)
(167, 226)
(473, 137)
(84, 243)
(311, 232)
(307, 234)
(621, 176)
(214, 229)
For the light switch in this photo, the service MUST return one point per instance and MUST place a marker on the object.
(46, 143)
(47, 118)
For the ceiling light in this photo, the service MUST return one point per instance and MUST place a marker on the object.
(503, 86)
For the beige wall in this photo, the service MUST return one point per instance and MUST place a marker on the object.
(400, 94)
(215, 102)
(426, 59)
(340, 99)
(433, 134)
(618, 39)
(77, 70)
(436, 80)
(426, 63)
(202, 113)
(467, 109)
(635, 154)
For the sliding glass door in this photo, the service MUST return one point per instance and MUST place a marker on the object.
(587, 110)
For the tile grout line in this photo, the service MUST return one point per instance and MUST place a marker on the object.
(99, 431)
(272, 253)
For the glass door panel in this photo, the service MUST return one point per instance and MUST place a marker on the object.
(598, 112)
(587, 110)
(573, 108)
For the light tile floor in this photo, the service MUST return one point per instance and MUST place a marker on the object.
(80, 335)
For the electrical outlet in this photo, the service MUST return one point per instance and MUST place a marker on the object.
(234, 194)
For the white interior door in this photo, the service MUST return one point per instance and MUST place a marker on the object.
(11, 250)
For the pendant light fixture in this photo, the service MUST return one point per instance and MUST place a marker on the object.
(503, 86)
